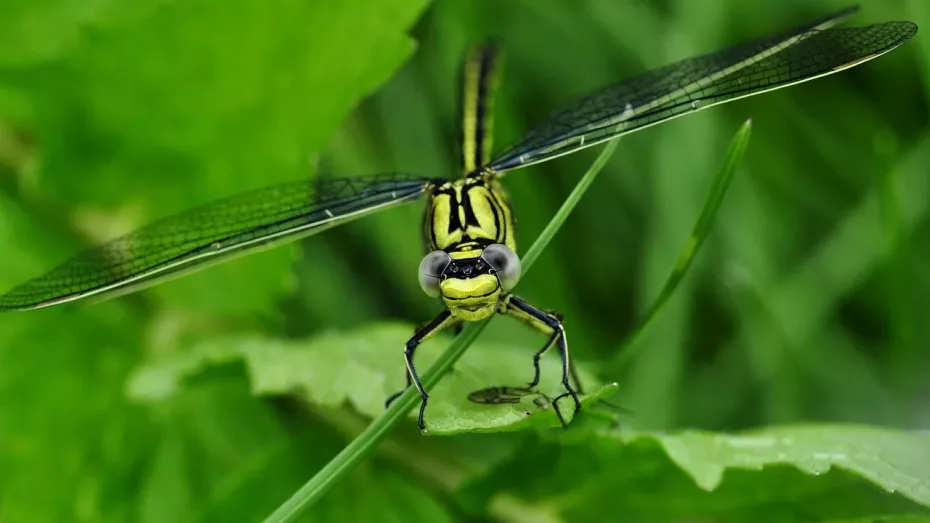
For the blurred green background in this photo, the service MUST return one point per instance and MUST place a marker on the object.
(808, 302)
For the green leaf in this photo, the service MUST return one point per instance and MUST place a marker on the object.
(226, 455)
(358, 368)
(891, 459)
(165, 106)
(166, 495)
(69, 442)
(41, 30)
(792, 473)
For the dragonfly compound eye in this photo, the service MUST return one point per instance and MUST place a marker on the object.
(505, 262)
(431, 269)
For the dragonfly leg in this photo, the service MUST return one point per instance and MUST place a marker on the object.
(442, 321)
(542, 352)
(538, 356)
(549, 323)
(541, 402)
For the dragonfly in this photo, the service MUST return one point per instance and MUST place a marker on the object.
(471, 263)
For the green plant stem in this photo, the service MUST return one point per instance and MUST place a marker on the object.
(628, 348)
(528, 259)
(362, 446)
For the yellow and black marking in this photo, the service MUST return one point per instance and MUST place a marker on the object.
(465, 215)
(462, 218)
(479, 82)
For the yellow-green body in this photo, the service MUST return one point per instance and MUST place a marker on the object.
(463, 217)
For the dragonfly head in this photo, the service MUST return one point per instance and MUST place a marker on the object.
(470, 282)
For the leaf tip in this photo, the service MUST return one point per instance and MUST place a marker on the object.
(746, 127)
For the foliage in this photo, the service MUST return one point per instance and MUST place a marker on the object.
(784, 380)
(674, 477)
(352, 367)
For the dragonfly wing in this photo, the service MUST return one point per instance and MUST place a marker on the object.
(215, 232)
(805, 53)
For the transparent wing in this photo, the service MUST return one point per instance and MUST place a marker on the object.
(675, 90)
(215, 232)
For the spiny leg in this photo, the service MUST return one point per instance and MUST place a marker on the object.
(541, 402)
(440, 322)
(579, 388)
(538, 356)
(550, 323)
(542, 352)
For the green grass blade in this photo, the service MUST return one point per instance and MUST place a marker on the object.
(366, 443)
(362, 446)
(628, 348)
(555, 224)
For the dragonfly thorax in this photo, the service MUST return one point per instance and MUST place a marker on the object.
(467, 214)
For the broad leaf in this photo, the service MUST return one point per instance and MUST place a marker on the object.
(801, 473)
(364, 367)
(225, 455)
